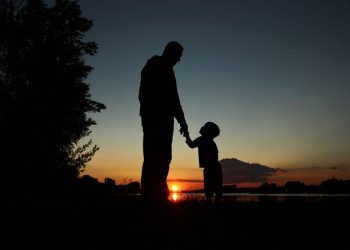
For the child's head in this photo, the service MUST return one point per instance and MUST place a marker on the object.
(210, 129)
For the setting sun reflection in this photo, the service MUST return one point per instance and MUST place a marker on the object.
(174, 197)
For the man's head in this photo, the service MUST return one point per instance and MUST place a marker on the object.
(173, 52)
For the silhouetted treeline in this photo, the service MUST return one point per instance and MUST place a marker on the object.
(89, 187)
(289, 187)
(330, 186)
(327, 187)
(44, 97)
(335, 186)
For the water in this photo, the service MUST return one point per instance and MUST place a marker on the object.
(256, 197)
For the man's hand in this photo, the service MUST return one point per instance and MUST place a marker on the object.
(184, 130)
(185, 134)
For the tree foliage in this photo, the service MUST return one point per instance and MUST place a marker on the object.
(44, 96)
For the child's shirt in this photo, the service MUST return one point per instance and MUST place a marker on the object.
(207, 151)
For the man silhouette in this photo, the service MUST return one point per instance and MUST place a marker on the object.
(159, 105)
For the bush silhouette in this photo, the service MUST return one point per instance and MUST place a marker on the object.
(43, 92)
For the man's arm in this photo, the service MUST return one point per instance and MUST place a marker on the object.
(179, 114)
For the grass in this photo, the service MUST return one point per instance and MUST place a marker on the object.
(110, 223)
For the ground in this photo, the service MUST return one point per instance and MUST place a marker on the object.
(123, 222)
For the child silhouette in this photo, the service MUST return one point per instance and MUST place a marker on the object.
(208, 159)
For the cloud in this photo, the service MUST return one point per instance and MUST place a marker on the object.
(311, 175)
(236, 171)
(316, 168)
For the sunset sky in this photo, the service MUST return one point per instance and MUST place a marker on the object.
(273, 74)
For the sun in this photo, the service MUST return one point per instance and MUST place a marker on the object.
(175, 188)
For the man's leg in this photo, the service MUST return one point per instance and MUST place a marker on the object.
(157, 140)
(165, 155)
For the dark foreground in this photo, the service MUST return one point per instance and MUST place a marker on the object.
(123, 223)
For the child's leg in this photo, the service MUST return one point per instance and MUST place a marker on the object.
(218, 184)
(208, 185)
(208, 198)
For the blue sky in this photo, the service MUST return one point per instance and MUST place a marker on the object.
(274, 75)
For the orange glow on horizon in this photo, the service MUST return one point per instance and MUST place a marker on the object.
(184, 185)
(183, 178)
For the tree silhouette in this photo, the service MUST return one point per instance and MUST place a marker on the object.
(294, 187)
(335, 185)
(44, 97)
